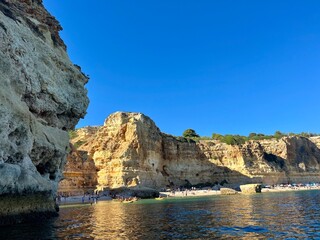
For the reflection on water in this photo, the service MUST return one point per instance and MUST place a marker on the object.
(267, 215)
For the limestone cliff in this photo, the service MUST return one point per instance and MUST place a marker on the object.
(42, 95)
(130, 150)
(80, 174)
(315, 140)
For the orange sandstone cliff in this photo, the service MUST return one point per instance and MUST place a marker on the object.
(130, 150)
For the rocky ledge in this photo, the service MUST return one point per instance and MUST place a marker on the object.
(42, 95)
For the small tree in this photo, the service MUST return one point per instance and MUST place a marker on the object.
(252, 135)
(190, 133)
(278, 134)
(217, 136)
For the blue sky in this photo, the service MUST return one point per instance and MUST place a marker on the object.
(213, 66)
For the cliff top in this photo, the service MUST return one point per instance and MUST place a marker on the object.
(31, 11)
(120, 117)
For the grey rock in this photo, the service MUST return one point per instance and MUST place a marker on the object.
(42, 95)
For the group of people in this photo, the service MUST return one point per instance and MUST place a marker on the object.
(184, 192)
(60, 197)
(92, 198)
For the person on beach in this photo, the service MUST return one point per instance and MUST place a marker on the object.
(91, 199)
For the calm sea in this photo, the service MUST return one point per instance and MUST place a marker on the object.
(288, 215)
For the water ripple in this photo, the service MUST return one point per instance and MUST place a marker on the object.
(292, 215)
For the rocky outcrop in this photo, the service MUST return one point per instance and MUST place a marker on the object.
(79, 175)
(129, 150)
(228, 191)
(251, 188)
(289, 159)
(42, 95)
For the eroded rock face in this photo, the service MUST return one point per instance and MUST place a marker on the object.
(42, 95)
(80, 174)
(129, 150)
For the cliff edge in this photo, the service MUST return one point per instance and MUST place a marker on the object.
(130, 150)
(42, 95)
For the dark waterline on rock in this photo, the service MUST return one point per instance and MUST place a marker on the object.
(260, 216)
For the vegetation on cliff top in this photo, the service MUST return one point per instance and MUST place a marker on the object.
(190, 133)
(235, 139)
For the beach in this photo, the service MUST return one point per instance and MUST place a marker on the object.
(188, 193)
(80, 199)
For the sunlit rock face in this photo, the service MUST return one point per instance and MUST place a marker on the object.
(315, 140)
(129, 150)
(289, 159)
(42, 95)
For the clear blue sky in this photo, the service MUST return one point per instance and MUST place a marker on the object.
(213, 66)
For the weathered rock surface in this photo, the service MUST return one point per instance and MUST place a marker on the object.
(251, 188)
(42, 95)
(137, 191)
(228, 191)
(315, 140)
(80, 174)
(290, 159)
(129, 150)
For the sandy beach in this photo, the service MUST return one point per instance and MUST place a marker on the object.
(189, 193)
(284, 189)
(80, 199)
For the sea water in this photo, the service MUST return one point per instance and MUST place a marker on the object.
(283, 215)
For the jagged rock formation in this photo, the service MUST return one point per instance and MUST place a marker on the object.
(129, 150)
(80, 174)
(290, 159)
(250, 188)
(41, 96)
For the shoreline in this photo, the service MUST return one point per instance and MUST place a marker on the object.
(289, 189)
(190, 193)
(185, 194)
(78, 200)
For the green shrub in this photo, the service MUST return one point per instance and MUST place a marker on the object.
(190, 133)
(79, 143)
(73, 134)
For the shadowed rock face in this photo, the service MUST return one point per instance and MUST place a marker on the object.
(42, 95)
(129, 150)
(80, 174)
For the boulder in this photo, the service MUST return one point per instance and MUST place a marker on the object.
(139, 192)
(228, 191)
(251, 188)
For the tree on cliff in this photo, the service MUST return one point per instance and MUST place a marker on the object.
(217, 136)
(278, 134)
(190, 133)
